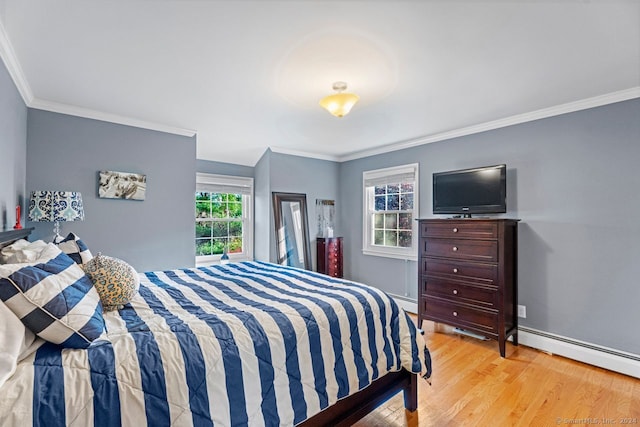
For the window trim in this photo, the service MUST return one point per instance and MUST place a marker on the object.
(368, 248)
(245, 186)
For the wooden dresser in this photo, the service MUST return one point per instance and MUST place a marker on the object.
(468, 275)
(329, 256)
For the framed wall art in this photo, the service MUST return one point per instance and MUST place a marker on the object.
(122, 185)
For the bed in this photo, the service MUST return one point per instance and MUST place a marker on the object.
(248, 343)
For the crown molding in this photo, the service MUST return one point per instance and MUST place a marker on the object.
(56, 107)
(10, 60)
(570, 107)
(557, 110)
(308, 154)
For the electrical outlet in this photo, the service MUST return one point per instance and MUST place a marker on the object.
(522, 311)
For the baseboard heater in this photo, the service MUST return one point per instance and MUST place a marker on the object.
(604, 357)
(410, 305)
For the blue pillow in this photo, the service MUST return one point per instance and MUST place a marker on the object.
(53, 298)
(75, 248)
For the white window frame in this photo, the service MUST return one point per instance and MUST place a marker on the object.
(389, 175)
(214, 183)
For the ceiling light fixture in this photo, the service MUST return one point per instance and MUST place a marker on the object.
(339, 104)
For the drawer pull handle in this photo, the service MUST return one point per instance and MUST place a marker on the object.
(455, 292)
(455, 270)
(455, 230)
(455, 249)
(455, 313)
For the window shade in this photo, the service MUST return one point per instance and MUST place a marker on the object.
(224, 184)
(401, 175)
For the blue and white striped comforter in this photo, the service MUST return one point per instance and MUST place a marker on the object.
(243, 344)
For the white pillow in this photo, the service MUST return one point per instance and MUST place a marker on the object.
(22, 251)
(8, 251)
(15, 342)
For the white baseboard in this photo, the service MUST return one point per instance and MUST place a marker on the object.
(408, 305)
(604, 357)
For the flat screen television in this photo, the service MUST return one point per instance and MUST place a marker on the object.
(480, 190)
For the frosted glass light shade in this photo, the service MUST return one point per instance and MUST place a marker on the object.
(339, 104)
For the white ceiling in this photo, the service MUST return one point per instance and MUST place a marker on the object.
(247, 75)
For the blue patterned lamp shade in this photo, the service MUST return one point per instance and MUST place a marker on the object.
(56, 206)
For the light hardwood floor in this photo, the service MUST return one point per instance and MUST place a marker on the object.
(473, 386)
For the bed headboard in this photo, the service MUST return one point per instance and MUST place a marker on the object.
(10, 236)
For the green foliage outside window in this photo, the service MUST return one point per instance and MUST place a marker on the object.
(216, 246)
(218, 223)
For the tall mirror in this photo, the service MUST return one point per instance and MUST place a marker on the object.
(292, 230)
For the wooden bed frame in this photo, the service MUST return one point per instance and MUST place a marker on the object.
(346, 411)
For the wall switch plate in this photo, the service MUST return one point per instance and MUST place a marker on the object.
(522, 311)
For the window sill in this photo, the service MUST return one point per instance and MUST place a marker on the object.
(216, 261)
(389, 254)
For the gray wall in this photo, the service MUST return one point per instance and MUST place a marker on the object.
(13, 150)
(574, 182)
(221, 168)
(66, 153)
(263, 221)
(276, 172)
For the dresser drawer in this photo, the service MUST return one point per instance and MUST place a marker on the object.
(486, 274)
(460, 229)
(478, 250)
(459, 291)
(464, 316)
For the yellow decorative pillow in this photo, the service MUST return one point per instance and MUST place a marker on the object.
(115, 280)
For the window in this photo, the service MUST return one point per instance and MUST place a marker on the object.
(390, 210)
(224, 217)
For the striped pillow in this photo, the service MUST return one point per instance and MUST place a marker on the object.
(53, 298)
(75, 248)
